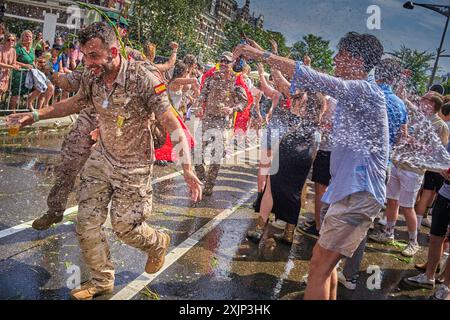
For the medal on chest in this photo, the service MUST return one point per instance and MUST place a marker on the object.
(119, 123)
(228, 95)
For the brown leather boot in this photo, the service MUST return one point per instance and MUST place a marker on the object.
(200, 172)
(154, 264)
(287, 235)
(208, 190)
(89, 290)
(256, 234)
(46, 221)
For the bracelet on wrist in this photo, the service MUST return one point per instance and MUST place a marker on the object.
(35, 115)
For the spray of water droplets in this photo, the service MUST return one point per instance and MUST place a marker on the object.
(422, 149)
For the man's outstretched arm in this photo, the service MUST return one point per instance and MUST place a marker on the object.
(181, 147)
(285, 65)
(163, 67)
(61, 109)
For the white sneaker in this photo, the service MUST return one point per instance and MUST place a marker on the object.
(411, 250)
(382, 237)
(383, 220)
(350, 285)
(426, 222)
(279, 224)
(420, 281)
(441, 292)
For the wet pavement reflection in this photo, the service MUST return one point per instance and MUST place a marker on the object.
(222, 265)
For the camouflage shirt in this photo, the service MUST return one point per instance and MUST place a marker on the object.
(217, 91)
(71, 82)
(125, 111)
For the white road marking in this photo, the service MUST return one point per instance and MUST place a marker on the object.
(135, 286)
(27, 225)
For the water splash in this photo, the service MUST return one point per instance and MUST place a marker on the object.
(422, 149)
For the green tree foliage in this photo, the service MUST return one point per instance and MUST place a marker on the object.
(420, 63)
(162, 21)
(446, 86)
(317, 49)
(17, 26)
(233, 32)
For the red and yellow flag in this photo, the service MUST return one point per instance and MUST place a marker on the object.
(160, 88)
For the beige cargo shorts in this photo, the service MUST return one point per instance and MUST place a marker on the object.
(346, 222)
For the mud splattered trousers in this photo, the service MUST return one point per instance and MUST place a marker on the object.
(130, 193)
(213, 138)
(75, 150)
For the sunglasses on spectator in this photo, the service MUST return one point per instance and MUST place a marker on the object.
(11, 40)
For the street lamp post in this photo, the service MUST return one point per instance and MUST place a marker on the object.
(445, 11)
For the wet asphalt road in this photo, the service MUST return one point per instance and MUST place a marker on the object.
(222, 264)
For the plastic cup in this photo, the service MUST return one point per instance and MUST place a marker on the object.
(13, 127)
(13, 130)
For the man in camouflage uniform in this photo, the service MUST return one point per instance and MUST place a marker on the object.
(124, 95)
(76, 146)
(221, 97)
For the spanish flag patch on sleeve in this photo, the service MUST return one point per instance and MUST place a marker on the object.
(160, 88)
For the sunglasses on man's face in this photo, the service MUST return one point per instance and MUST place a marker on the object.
(225, 61)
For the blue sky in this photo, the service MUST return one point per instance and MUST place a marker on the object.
(418, 29)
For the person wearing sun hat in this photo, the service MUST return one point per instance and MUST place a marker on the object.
(220, 97)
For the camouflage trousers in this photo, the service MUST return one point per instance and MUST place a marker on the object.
(213, 137)
(130, 194)
(75, 150)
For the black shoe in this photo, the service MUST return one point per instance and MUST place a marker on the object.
(309, 231)
(255, 235)
(208, 190)
(306, 224)
(257, 203)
